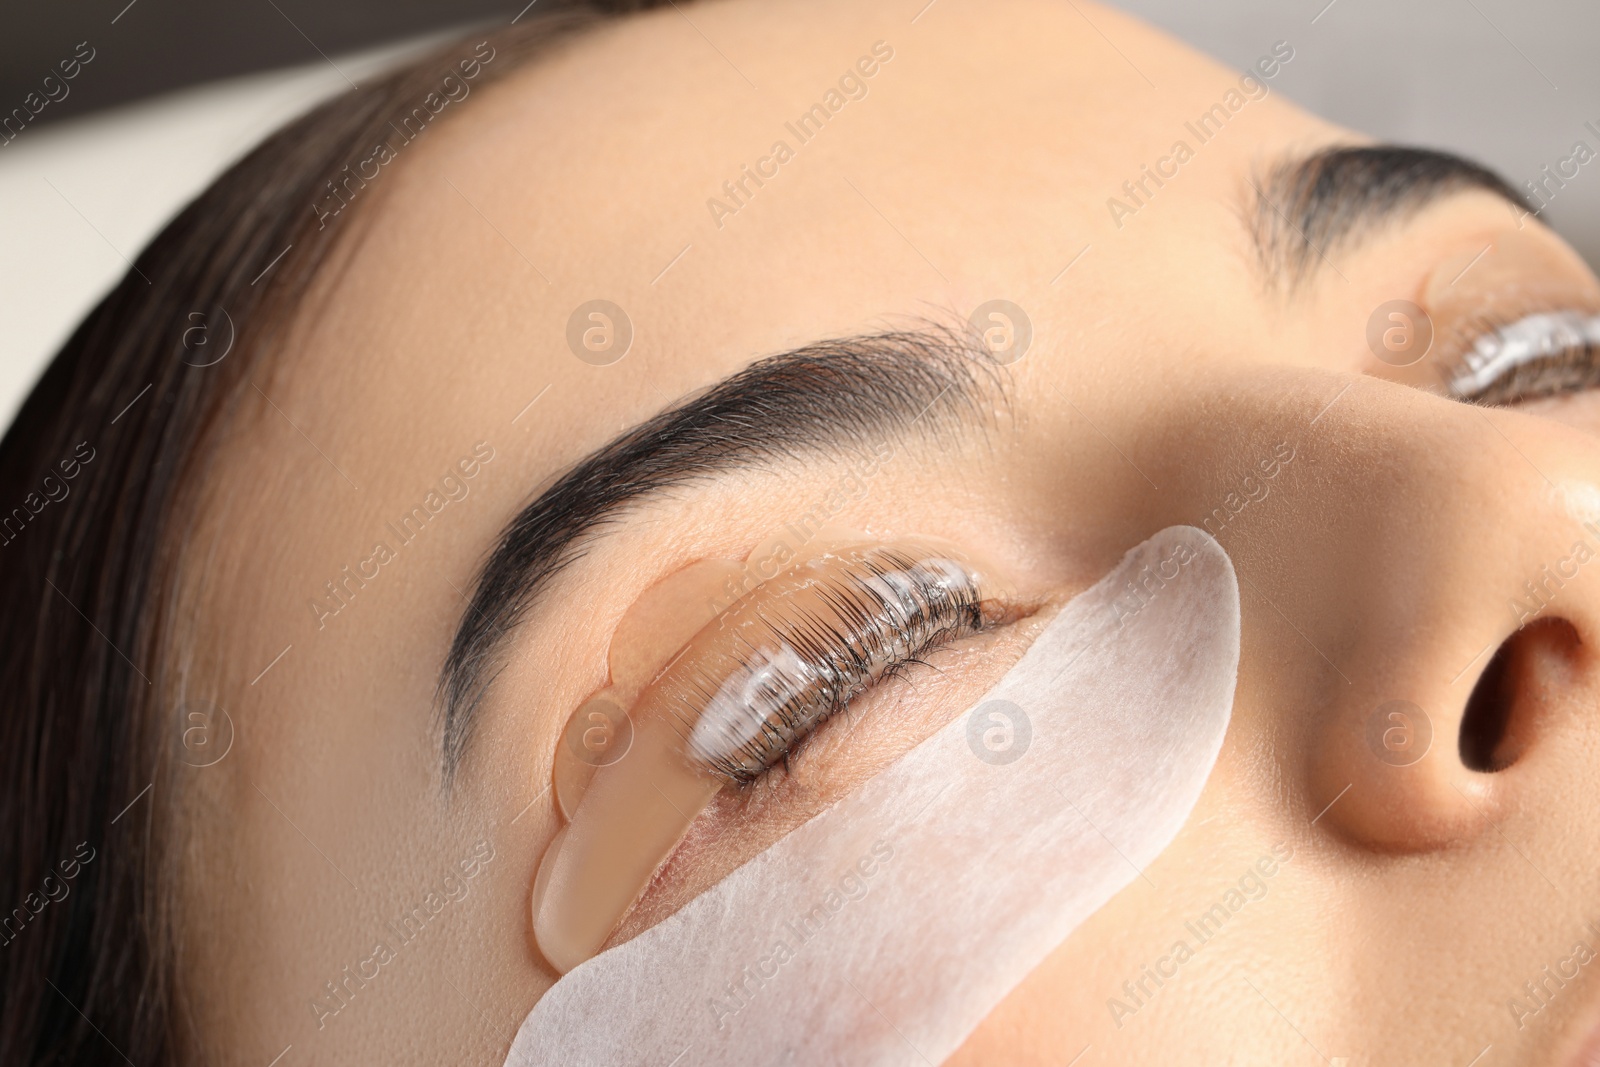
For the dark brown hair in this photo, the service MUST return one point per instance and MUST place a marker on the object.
(97, 475)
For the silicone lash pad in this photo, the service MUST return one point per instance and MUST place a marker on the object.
(748, 682)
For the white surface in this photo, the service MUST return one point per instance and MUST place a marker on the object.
(1509, 83)
(990, 866)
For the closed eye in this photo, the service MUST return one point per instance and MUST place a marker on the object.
(1542, 355)
(850, 622)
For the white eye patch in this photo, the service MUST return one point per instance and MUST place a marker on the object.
(887, 927)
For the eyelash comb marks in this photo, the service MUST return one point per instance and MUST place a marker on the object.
(742, 692)
(1538, 355)
(850, 620)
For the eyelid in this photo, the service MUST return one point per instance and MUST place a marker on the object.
(1538, 355)
(744, 694)
(810, 653)
(633, 814)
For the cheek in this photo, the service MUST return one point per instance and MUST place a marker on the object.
(1117, 985)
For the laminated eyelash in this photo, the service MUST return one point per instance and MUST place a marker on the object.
(1540, 355)
(808, 658)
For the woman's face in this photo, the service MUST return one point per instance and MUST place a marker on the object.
(1203, 351)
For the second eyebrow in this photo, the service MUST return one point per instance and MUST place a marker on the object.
(1308, 207)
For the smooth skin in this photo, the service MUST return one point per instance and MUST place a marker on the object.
(1165, 365)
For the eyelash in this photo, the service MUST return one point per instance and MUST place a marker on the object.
(811, 665)
(1537, 356)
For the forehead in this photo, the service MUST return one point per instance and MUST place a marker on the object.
(738, 178)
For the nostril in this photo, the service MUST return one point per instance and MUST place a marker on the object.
(1483, 727)
(1498, 723)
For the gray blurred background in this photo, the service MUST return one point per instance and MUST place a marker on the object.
(1508, 82)
(178, 88)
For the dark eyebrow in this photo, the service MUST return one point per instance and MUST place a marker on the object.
(825, 399)
(1307, 207)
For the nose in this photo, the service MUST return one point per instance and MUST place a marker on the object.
(1418, 603)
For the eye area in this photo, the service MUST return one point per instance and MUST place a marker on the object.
(796, 661)
(890, 691)
(737, 689)
(1547, 354)
(901, 710)
(746, 690)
